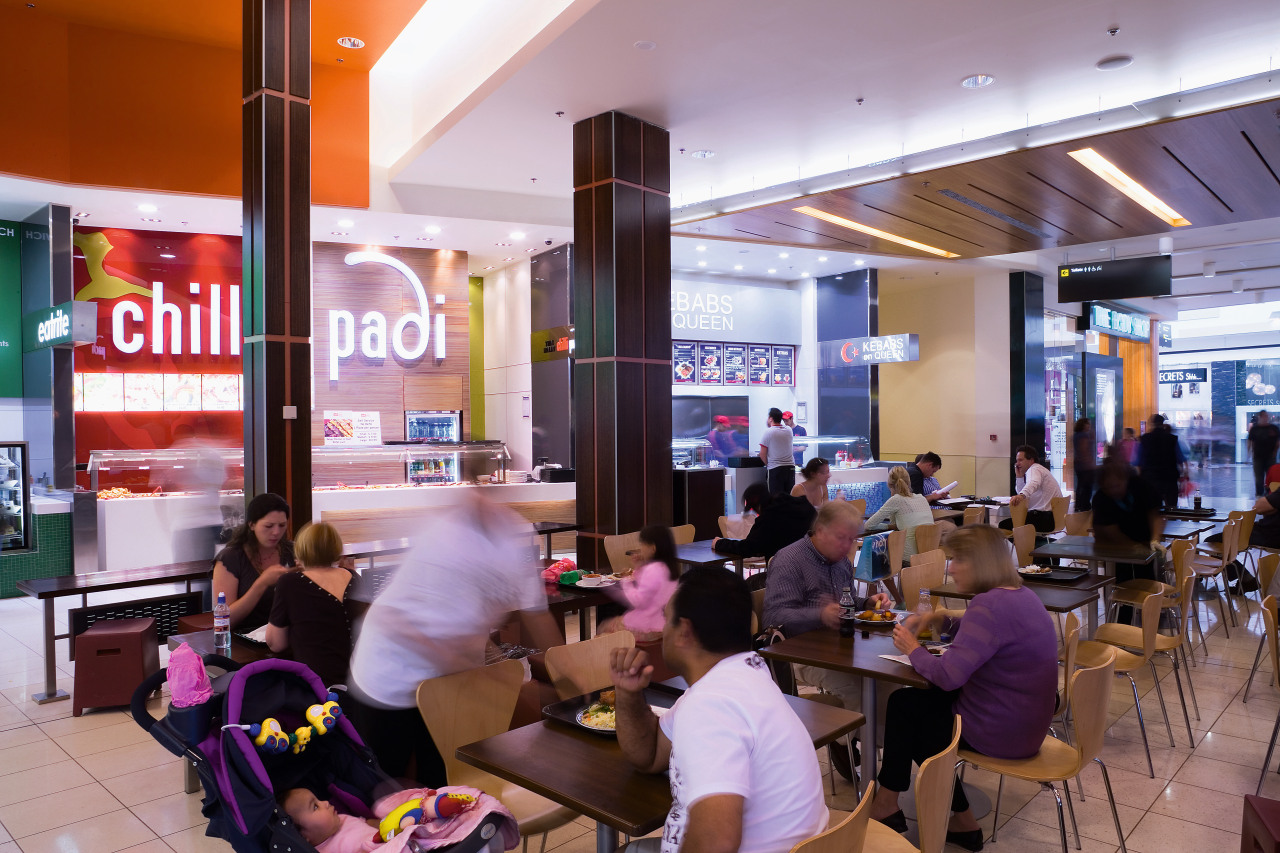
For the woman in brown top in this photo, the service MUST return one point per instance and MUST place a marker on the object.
(256, 557)
(311, 611)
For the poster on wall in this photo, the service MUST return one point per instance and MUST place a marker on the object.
(735, 364)
(784, 366)
(352, 428)
(760, 359)
(1257, 380)
(710, 364)
(684, 361)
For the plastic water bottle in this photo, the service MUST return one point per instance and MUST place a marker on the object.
(924, 609)
(847, 610)
(222, 626)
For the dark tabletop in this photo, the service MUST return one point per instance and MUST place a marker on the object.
(701, 553)
(566, 598)
(1057, 598)
(1174, 529)
(242, 650)
(543, 527)
(588, 773)
(858, 655)
(1087, 548)
(123, 579)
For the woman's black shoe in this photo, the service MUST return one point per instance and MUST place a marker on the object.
(898, 822)
(969, 840)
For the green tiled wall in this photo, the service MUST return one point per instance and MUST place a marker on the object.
(52, 555)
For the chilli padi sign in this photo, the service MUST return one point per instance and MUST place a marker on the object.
(884, 349)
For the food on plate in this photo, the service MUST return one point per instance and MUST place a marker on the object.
(338, 428)
(608, 697)
(877, 615)
(1035, 570)
(685, 370)
(592, 576)
(599, 715)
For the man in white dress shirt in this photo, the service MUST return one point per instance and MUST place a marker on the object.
(1039, 489)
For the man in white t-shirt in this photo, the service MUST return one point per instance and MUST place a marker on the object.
(1038, 491)
(744, 776)
(776, 452)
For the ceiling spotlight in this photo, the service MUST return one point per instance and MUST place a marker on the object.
(822, 259)
(351, 42)
(147, 208)
(82, 215)
(644, 45)
(487, 268)
(339, 233)
(167, 255)
(737, 267)
(1237, 285)
(977, 81)
(702, 154)
(1113, 63)
(508, 259)
(432, 229)
(804, 275)
(427, 239)
(1105, 169)
(502, 245)
(516, 235)
(700, 248)
(346, 223)
(784, 254)
(771, 272)
(702, 263)
(530, 251)
(145, 219)
(1210, 269)
(859, 262)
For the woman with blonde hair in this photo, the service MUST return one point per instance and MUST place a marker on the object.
(903, 511)
(1000, 675)
(313, 611)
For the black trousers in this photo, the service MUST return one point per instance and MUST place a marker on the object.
(396, 736)
(1260, 468)
(918, 725)
(1040, 519)
(781, 480)
(1084, 489)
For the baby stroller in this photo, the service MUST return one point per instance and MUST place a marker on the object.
(241, 781)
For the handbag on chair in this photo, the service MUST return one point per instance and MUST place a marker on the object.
(873, 559)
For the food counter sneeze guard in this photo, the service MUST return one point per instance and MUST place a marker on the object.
(686, 452)
(856, 449)
(15, 498)
(123, 462)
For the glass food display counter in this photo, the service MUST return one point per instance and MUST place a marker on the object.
(169, 471)
(15, 498)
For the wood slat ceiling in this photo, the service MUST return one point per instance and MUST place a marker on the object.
(1213, 169)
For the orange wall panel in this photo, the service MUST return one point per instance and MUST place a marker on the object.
(339, 136)
(33, 101)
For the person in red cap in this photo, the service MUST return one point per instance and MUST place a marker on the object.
(722, 441)
(788, 419)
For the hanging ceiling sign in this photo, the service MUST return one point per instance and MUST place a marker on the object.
(68, 324)
(884, 349)
(1122, 324)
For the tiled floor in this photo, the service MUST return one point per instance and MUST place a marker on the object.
(98, 784)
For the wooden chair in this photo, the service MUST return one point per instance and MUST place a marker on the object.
(1058, 761)
(934, 783)
(1078, 523)
(684, 534)
(937, 555)
(1169, 645)
(896, 545)
(1268, 638)
(1024, 540)
(1132, 592)
(475, 704)
(847, 836)
(1019, 514)
(929, 536)
(1243, 549)
(859, 506)
(1205, 566)
(616, 548)
(974, 514)
(757, 611)
(578, 668)
(1091, 653)
(1059, 506)
(915, 577)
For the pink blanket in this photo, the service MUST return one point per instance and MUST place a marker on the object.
(356, 836)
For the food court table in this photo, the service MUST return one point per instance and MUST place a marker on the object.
(1096, 554)
(551, 528)
(699, 554)
(588, 773)
(1056, 598)
(1179, 529)
(49, 589)
(857, 656)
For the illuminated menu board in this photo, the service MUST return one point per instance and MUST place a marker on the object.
(760, 361)
(735, 364)
(784, 365)
(684, 362)
(710, 364)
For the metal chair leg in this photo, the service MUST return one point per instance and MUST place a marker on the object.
(1257, 658)
(1141, 724)
(1231, 606)
(1160, 696)
(995, 822)
(1191, 687)
(1066, 790)
(1182, 697)
(1271, 748)
(1062, 822)
(1115, 816)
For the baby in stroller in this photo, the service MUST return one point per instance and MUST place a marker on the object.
(395, 816)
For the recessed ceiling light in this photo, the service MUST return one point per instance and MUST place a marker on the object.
(508, 259)
(737, 266)
(703, 154)
(822, 258)
(702, 263)
(339, 233)
(502, 245)
(147, 208)
(859, 262)
(771, 272)
(1112, 63)
(351, 42)
(487, 268)
(874, 232)
(145, 219)
(427, 239)
(82, 215)
(784, 254)
(804, 275)
(167, 255)
(516, 235)
(644, 45)
(530, 251)
(432, 229)
(1105, 169)
(977, 81)
(346, 223)
(701, 248)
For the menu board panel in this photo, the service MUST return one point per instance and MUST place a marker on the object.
(760, 359)
(735, 364)
(104, 392)
(784, 365)
(710, 364)
(220, 392)
(182, 392)
(352, 428)
(143, 392)
(684, 362)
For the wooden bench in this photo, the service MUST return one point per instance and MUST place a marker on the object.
(49, 590)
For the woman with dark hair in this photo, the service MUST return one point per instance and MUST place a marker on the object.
(1084, 449)
(255, 558)
(816, 473)
(648, 589)
(780, 520)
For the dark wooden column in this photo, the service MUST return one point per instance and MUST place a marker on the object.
(622, 325)
(277, 251)
(1026, 363)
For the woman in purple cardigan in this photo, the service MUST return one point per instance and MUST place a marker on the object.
(1000, 675)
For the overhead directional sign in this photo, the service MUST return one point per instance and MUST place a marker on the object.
(878, 350)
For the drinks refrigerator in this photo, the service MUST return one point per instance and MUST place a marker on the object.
(15, 498)
(433, 427)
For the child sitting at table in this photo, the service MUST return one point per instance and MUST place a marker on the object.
(647, 590)
(445, 817)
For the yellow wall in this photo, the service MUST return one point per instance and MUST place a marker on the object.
(957, 394)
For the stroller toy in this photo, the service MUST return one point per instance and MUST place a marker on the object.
(267, 736)
(415, 811)
(323, 716)
(270, 738)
